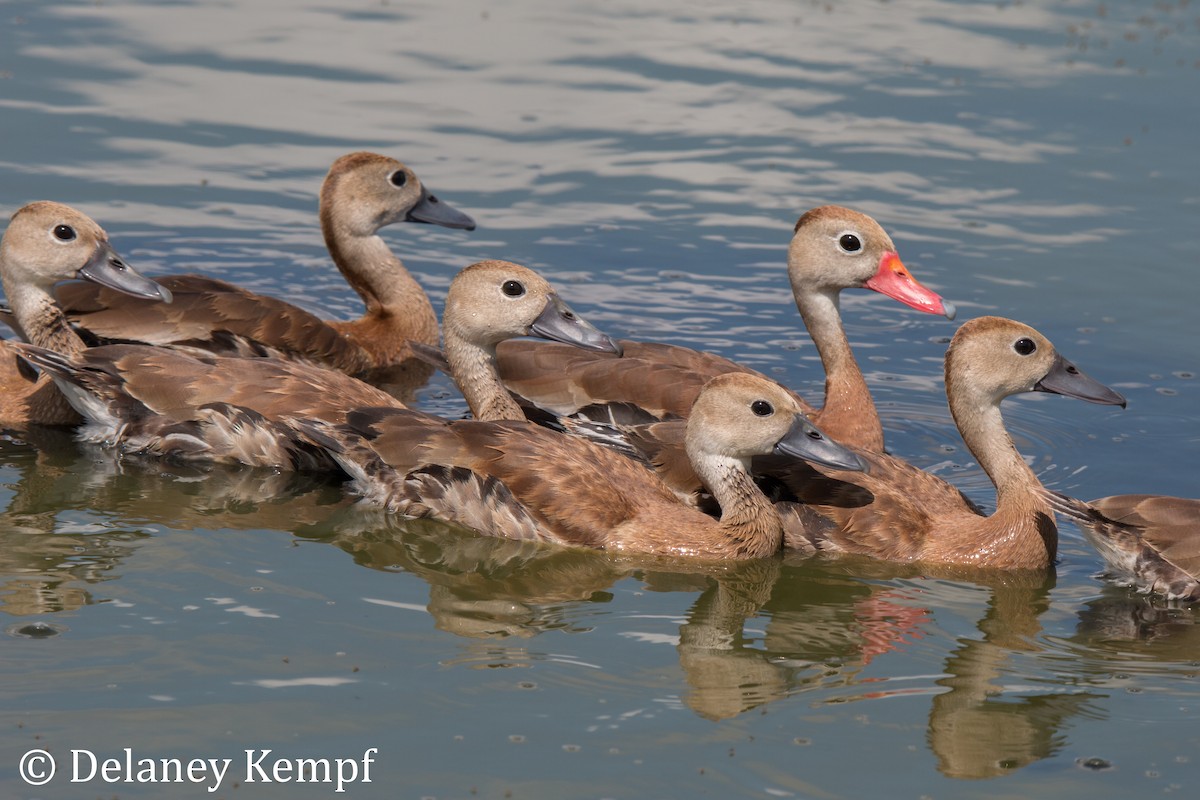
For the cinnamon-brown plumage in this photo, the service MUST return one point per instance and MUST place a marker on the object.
(170, 403)
(518, 480)
(362, 193)
(898, 512)
(1149, 542)
(832, 249)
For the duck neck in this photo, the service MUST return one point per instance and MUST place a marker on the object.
(387, 289)
(749, 526)
(474, 369)
(1021, 531)
(40, 320)
(848, 412)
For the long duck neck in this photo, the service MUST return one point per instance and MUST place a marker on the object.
(1021, 532)
(749, 526)
(40, 320)
(849, 413)
(474, 369)
(397, 309)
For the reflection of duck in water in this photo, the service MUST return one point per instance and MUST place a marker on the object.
(48, 560)
(1137, 628)
(979, 728)
(48, 557)
(480, 586)
(492, 588)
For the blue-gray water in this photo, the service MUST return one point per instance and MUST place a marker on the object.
(1031, 159)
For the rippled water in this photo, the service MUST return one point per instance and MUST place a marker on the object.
(1031, 159)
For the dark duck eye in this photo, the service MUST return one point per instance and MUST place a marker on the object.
(398, 178)
(850, 243)
(762, 408)
(64, 233)
(513, 288)
(1024, 346)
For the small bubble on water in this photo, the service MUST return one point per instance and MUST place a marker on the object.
(1163, 390)
(572, 748)
(516, 738)
(803, 741)
(1187, 376)
(527, 685)
(35, 630)
(1094, 764)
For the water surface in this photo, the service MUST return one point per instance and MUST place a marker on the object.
(1030, 159)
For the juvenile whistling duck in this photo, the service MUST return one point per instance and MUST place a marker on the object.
(46, 243)
(832, 249)
(1151, 543)
(518, 480)
(164, 402)
(362, 193)
(897, 512)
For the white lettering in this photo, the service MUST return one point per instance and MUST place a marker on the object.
(255, 765)
(110, 770)
(260, 768)
(342, 779)
(218, 771)
(75, 775)
(307, 767)
(367, 762)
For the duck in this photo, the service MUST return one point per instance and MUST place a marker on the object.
(46, 243)
(362, 193)
(832, 248)
(519, 480)
(166, 403)
(896, 512)
(1149, 542)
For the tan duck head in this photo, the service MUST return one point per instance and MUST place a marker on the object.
(47, 243)
(493, 301)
